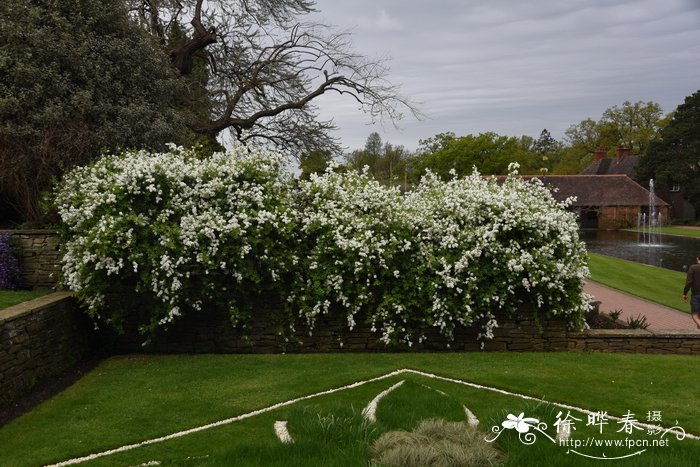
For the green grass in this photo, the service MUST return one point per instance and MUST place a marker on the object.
(132, 399)
(9, 298)
(671, 230)
(658, 285)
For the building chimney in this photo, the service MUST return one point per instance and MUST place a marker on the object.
(622, 153)
(600, 154)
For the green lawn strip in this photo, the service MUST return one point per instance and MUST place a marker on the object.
(131, 399)
(658, 285)
(330, 430)
(9, 298)
(669, 230)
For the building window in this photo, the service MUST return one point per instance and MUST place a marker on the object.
(675, 187)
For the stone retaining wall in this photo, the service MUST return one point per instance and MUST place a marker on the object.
(636, 340)
(39, 260)
(47, 335)
(213, 333)
(40, 338)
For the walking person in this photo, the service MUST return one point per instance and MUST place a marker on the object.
(692, 283)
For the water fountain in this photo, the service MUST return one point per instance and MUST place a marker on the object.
(648, 245)
(649, 222)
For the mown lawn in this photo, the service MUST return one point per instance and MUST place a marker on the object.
(9, 298)
(135, 398)
(672, 230)
(651, 283)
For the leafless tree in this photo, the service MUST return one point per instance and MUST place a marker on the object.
(264, 68)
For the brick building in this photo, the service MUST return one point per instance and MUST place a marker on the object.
(604, 201)
(625, 164)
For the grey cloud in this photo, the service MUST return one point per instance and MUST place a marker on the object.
(515, 67)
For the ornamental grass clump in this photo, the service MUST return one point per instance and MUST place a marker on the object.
(436, 443)
(10, 277)
(180, 229)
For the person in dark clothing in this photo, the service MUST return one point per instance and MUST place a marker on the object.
(692, 283)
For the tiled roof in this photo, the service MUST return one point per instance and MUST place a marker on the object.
(597, 190)
(613, 166)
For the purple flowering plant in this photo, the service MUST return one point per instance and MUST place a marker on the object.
(9, 265)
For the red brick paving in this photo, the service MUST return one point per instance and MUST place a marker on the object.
(658, 316)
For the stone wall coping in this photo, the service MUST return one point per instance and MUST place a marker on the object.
(29, 231)
(31, 306)
(677, 333)
(638, 333)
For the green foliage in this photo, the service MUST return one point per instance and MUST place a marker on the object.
(386, 163)
(632, 125)
(586, 135)
(78, 78)
(341, 426)
(314, 162)
(615, 315)
(488, 153)
(638, 322)
(491, 154)
(545, 144)
(571, 160)
(675, 156)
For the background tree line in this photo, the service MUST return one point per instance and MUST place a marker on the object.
(667, 146)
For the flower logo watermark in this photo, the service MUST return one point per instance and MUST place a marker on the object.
(520, 423)
(529, 428)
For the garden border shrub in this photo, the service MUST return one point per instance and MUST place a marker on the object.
(221, 232)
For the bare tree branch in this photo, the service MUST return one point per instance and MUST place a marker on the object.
(265, 68)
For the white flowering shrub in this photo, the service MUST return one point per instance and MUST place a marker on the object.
(187, 232)
(485, 246)
(447, 253)
(355, 238)
(219, 232)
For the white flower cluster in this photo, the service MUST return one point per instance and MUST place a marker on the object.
(184, 229)
(485, 246)
(194, 232)
(446, 253)
(351, 228)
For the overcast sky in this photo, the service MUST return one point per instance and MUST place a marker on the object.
(517, 66)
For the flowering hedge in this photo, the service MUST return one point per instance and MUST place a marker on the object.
(355, 241)
(485, 246)
(185, 230)
(195, 233)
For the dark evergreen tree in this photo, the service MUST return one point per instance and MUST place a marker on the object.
(76, 77)
(545, 144)
(674, 157)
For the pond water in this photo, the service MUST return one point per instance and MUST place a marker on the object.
(665, 251)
